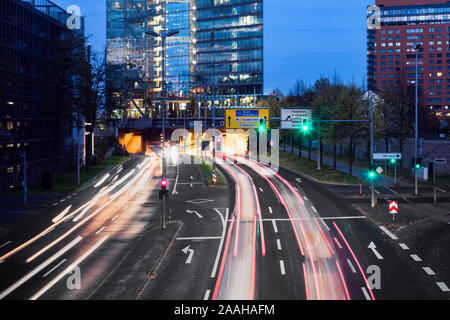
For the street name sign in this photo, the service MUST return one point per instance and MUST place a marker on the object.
(245, 118)
(292, 118)
(387, 156)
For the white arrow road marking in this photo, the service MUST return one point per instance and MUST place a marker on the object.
(191, 254)
(195, 212)
(373, 247)
(175, 186)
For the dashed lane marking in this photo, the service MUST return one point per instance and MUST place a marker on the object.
(404, 246)
(429, 271)
(278, 244)
(54, 268)
(100, 230)
(337, 242)
(282, 269)
(365, 293)
(275, 226)
(443, 286)
(206, 297)
(270, 210)
(5, 244)
(351, 266)
(390, 234)
(416, 258)
(115, 218)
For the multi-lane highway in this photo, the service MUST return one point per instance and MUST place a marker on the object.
(263, 235)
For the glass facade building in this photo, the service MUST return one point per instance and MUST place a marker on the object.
(217, 55)
(30, 34)
(391, 59)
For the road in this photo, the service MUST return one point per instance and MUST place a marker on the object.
(263, 235)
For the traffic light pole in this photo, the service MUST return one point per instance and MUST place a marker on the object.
(163, 100)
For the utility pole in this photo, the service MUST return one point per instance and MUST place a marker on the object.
(24, 182)
(416, 127)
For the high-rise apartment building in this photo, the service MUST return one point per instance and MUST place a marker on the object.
(216, 56)
(392, 59)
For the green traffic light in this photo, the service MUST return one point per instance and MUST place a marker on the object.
(417, 166)
(371, 174)
(393, 161)
(305, 128)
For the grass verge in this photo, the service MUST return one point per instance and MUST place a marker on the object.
(207, 172)
(67, 182)
(327, 174)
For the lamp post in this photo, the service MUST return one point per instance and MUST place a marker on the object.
(214, 66)
(416, 127)
(163, 36)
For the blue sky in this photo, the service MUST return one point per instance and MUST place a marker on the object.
(303, 39)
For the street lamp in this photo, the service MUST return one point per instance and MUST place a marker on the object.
(163, 36)
(416, 127)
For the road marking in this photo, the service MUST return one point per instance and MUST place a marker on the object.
(443, 286)
(115, 217)
(306, 199)
(326, 226)
(298, 180)
(337, 242)
(365, 293)
(198, 238)
(198, 201)
(195, 212)
(283, 271)
(416, 258)
(278, 244)
(441, 190)
(54, 268)
(404, 246)
(393, 191)
(38, 269)
(378, 192)
(62, 214)
(175, 186)
(406, 200)
(429, 271)
(314, 209)
(5, 244)
(69, 269)
(392, 236)
(206, 297)
(219, 250)
(260, 189)
(351, 266)
(373, 247)
(100, 230)
(125, 208)
(270, 210)
(275, 226)
(189, 251)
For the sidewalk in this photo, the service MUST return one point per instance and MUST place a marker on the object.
(344, 167)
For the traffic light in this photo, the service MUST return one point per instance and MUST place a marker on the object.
(372, 173)
(393, 161)
(262, 124)
(305, 126)
(416, 164)
(163, 192)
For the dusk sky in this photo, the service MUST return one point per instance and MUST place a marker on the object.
(303, 39)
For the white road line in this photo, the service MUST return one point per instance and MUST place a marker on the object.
(378, 192)
(441, 190)
(306, 199)
(443, 286)
(393, 191)
(351, 266)
(69, 269)
(206, 297)
(115, 217)
(278, 244)
(392, 236)
(337, 242)
(365, 293)
(270, 210)
(325, 225)
(283, 271)
(429, 271)
(416, 258)
(219, 250)
(54, 268)
(38, 269)
(260, 189)
(175, 186)
(275, 226)
(404, 246)
(5, 244)
(100, 230)
(314, 209)
(198, 238)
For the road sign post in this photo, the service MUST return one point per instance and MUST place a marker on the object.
(393, 209)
